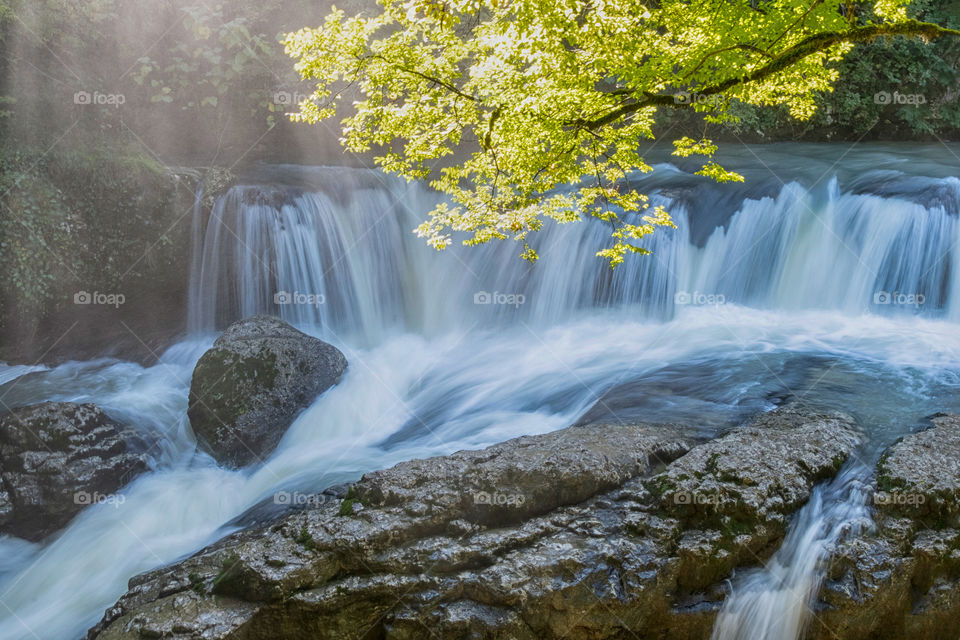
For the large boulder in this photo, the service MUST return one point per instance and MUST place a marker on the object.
(250, 386)
(55, 459)
(575, 534)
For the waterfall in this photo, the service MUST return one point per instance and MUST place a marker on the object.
(342, 245)
(340, 255)
(842, 291)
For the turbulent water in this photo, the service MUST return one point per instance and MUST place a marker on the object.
(836, 284)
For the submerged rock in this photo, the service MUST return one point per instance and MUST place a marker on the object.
(250, 386)
(57, 458)
(577, 534)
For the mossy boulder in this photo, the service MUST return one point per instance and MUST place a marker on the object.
(251, 385)
(919, 477)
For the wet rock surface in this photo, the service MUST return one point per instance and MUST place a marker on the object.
(903, 579)
(599, 531)
(248, 388)
(57, 458)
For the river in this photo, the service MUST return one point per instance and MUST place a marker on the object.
(829, 276)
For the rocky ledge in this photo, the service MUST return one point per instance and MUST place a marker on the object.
(902, 580)
(56, 458)
(597, 531)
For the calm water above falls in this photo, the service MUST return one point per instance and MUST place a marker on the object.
(839, 290)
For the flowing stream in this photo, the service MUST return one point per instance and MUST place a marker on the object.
(775, 603)
(836, 285)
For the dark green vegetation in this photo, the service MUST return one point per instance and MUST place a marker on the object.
(189, 82)
(100, 221)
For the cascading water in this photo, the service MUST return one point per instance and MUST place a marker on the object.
(841, 292)
(775, 603)
(353, 251)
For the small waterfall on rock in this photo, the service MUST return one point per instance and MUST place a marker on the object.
(343, 244)
(842, 292)
(775, 603)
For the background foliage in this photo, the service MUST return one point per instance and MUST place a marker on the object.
(849, 112)
(97, 221)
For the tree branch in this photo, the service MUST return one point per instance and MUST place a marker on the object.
(806, 47)
(446, 85)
